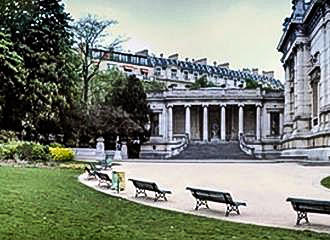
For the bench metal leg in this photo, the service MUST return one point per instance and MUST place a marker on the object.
(232, 208)
(101, 181)
(160, 195)
(200, 203)
(301, 216)
(140, 191)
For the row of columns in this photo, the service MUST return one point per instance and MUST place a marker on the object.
(223, 121)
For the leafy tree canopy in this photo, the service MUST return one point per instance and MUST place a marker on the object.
(202, 83)
(40, 34)
(153, 86)
(91, 33)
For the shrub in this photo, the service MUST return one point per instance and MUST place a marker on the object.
(61, 154)
(76, 166)
(32, 152)
(6, 136)
(8, 150)
(55, 144)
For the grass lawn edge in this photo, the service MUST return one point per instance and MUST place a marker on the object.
(199, 215)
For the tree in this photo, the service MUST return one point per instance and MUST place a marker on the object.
(90, 33)
(251, 84)
(153, 86)
(12, 79)
(128, 94)
(201, 83)
(40, 34)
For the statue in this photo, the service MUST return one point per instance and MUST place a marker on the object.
(215, 133)
(118, 150)
(215, 130)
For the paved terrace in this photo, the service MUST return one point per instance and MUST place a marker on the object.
(264, 187)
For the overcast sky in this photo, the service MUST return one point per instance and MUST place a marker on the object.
(242, 32)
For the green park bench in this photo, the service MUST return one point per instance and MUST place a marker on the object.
(304, 206)
(143, 186)
(202, 196)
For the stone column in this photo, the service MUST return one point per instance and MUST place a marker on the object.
(327, 82)
(205, 124)
(258, 123)
(240, 119)
(302, 105)
(188, 122)
(170, 122)
(299, 78)
(223, 122)
(160, 124)
(281, 123)
(269, 124)
(164, 124)
(287, 98)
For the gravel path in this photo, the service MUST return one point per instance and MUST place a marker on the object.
(265, 188)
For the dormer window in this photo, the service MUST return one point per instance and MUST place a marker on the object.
(144, 73)
(195, 76)
(158, 71)
(174, 73)
(185, 75)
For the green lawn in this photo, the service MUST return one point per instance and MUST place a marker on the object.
(51, 204)
(326, 182)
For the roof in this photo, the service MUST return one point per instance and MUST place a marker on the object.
(215, 70)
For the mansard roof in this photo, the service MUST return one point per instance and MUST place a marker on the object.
(192, 67)
(215, 70)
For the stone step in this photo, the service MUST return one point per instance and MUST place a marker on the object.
(213, 151)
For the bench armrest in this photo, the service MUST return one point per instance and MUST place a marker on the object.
(165, 191)
(240, 204)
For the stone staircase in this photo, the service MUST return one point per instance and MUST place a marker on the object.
(224, 151)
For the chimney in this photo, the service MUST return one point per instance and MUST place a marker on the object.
(224, 65)
(269, 74)
(143, 53)
(174, 56)
(255, 71)
(202, 61)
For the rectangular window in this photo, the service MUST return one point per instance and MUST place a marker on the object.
(185, 75)
(274, 124)
(123, 58)
(134, 60)
(96, 54)
(144, 74)
(315, 76)
(111, 66)
(195, 76)
(158, 71)
(143, 61)
(115, 57)
(154, 124)
(174, 73)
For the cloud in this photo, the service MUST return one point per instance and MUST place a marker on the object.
(244, 33)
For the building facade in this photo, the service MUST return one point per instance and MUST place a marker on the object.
(216, 115)
(305, 45)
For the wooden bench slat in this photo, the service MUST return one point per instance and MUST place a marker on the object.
(204, 195)
(304, 206)
(142, 186)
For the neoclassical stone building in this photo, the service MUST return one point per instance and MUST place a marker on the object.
(305, 45)
(213, 115)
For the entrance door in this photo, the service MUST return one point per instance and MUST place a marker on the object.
(232, 123)
(196, 123)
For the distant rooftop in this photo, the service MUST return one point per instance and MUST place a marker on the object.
(200, 66)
